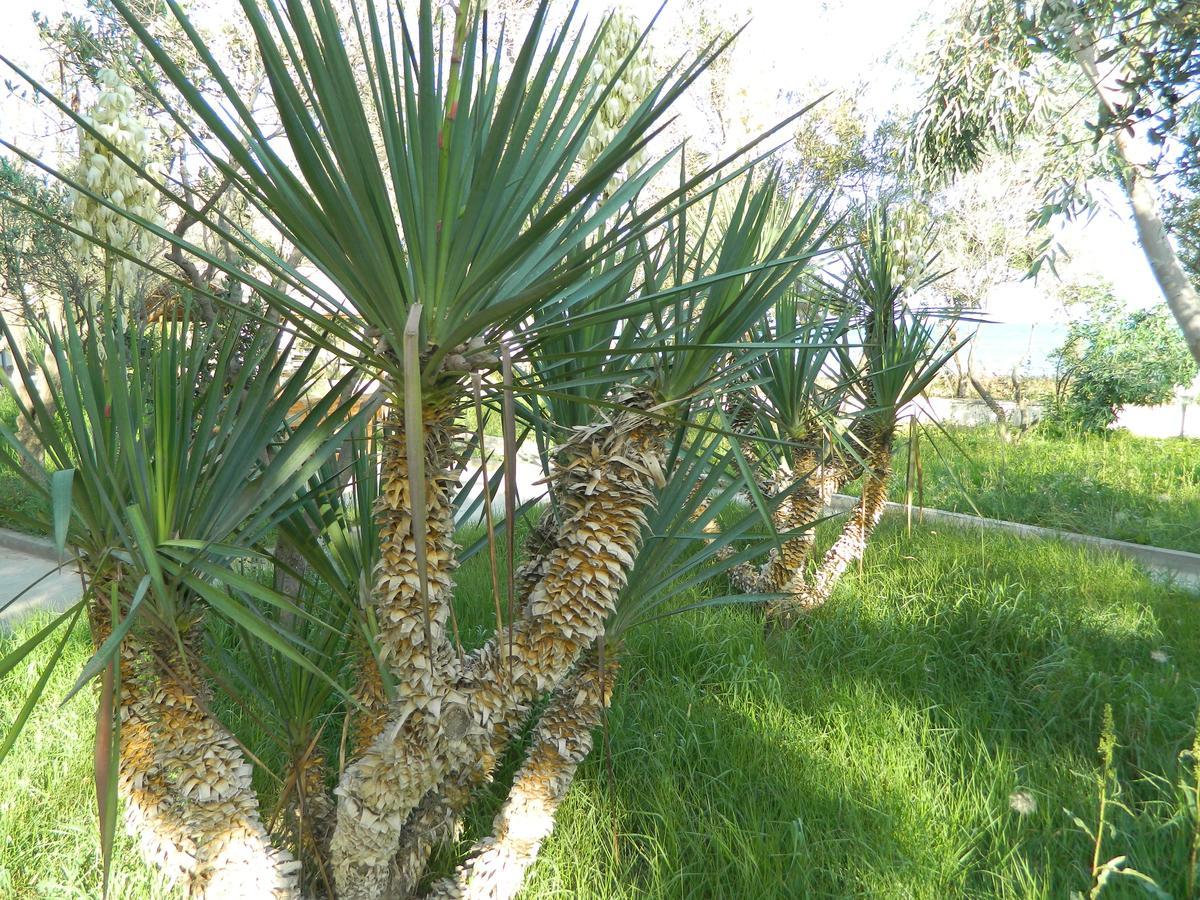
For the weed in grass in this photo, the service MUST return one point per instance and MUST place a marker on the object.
(1109, 873)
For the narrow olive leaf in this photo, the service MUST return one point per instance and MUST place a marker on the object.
(414, 451)
(18, 723)
(109, 650)
(60, 503)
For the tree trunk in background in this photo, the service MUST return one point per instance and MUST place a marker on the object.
(849, 546)
(561, 740)
(45, 393)
(1176, 287)
(606, 487)
(801, 508)
(991, 402)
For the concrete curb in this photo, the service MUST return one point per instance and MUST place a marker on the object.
(1175, 563)
(28, 543)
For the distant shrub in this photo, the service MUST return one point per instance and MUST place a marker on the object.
(1112, 358)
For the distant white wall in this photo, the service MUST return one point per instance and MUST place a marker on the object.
(1178, 419)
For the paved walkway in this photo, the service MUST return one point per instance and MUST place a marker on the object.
(21, 565)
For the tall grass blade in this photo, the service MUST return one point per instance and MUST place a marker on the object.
(18, 723)
(108, 751)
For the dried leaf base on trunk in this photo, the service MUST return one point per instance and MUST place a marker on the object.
(185, 782)
(560, 742)
(413, 639)
(806, 503)
(439, 816)
(415, 647)
(212, 797)
(806, 595)
(606, 488)
(367, 720)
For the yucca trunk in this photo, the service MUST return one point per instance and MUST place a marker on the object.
(742, 422)
(310, 807)
(438, 818)
(606, 486)
(368, 717)
(561, 741)
(211, 788)
(399, 607)
(821, 473)
(818, 479)
(183, 778)
(805, 595)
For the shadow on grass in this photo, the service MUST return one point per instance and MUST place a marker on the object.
(873, 751)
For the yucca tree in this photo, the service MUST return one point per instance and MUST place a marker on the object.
(442, 250)
(788, 427)
(635, 484)
(609, 470)
(678, 555)
(473, 217)
(898, 352)
(156, 475)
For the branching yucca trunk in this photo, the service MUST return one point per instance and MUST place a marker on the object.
(606, 487)
(561, 740)
(819, 479)
(435, 820)
(850, 544)
(183, 778)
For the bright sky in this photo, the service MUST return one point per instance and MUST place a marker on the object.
(788, 46)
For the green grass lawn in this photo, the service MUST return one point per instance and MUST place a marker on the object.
(16, 501)
(1145, 490)
(870, 753)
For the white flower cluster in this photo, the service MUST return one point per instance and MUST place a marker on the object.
(627, 94)
(106, 175)
(909, 239)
